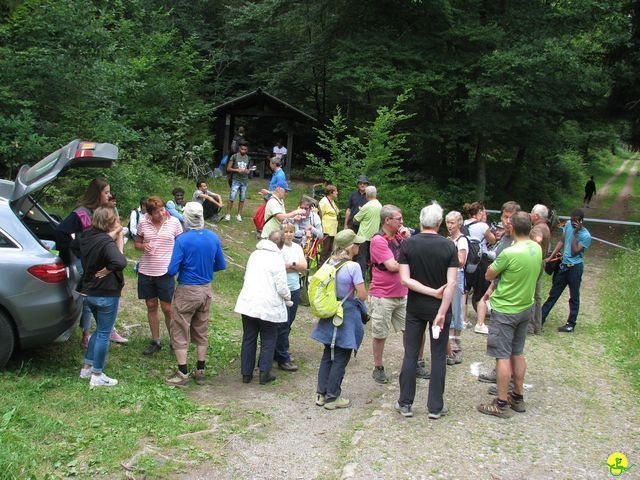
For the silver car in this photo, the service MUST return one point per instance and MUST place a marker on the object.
(38, 301)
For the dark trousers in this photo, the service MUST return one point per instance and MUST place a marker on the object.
(363, 258)
(331, 373)
(325, 249)
(282, 343)
(571, 276)
(268, 331)
(209, 209)
(414, 329)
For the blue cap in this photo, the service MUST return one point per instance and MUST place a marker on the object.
(282, 184)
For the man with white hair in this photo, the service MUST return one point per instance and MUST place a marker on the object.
(429, 269)
(369, 219)
(541, 234)
(197, 254)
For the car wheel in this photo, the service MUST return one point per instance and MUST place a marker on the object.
(7, 340)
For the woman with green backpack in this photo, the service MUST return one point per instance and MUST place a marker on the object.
(340, 338)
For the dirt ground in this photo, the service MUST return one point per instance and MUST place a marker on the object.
(580, 409)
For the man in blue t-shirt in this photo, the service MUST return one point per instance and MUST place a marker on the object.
(573, 243)
(197, 254)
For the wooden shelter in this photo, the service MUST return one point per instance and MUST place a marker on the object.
(261, 104)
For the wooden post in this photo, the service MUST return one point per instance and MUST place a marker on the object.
(287, 170)
(227, 134)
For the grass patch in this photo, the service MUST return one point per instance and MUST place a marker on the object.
(53, 426)
(620, 325)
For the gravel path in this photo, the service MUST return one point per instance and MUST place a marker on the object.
(580, 409)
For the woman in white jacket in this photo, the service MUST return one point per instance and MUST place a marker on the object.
(263, 305)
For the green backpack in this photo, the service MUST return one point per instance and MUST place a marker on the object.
(322, 293)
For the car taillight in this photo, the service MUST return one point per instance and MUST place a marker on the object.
(50, 273)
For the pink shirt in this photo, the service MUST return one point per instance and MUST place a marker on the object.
(384, 283)
(155, 263)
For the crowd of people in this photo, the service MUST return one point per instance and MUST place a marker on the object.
(419, 282)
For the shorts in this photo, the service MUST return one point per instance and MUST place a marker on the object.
(386, 313)
(238, 186)
(161, 287)
(507, 333)
(190, 316)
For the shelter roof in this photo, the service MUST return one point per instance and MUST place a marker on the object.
(262, 104)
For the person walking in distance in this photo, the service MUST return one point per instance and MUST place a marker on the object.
(429, 268)
(197, 254)
(589, 191)
(517, 267)
(575, 240)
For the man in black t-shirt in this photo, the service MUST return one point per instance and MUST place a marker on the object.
(429, 268)
(356, 202)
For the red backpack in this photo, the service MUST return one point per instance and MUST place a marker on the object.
(259, 220)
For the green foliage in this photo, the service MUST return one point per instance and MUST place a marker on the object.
(620, 324)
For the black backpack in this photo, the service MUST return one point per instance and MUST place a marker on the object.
(394, 246)
(473, 254)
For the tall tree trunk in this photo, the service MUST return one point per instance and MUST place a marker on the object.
(517, 167)
(481, 169)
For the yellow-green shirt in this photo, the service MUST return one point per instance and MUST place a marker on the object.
(329, 212)
(518, 266)
(369, 219)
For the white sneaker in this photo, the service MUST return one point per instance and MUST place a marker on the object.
(227, 217)
(239, 217)
(483, 329)
(85, 373)
(102, 381)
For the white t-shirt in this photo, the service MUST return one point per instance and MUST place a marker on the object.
(477, 231)
(292, 253)
(279, 151)
(462, 244)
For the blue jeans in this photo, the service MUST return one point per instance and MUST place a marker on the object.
(236, 187)
(105, 310)
(457, 304)
(268, 331)
(282, 343)
(571, 276)
(331, 373)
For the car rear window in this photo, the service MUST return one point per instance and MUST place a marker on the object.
(42, 167)
(5, 242)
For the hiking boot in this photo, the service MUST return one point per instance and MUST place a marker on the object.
(339, 402)
(493, 389)
(227, 218)
(421, 371)
(483, 329)
(239, 218)
(568, 328)
(457, 356)
(404, 410)
(102, 381)
(179, 379)
(152, 348)
(320, 400)
(488, 377)
(379, 376)
(266, 377)
(198, 376)
(517, 405)
(437, 415)
(85, 373)
(288, 366)
(451, 360)
(115, 337)
(494, 409)
(247, 378)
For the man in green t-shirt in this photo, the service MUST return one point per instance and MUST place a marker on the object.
(512, 307)
(369, 219)
(239, 166)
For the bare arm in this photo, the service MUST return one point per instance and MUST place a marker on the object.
(416, 286)
(346, 217)
(361, 291)
(452, 279)
(559, 246)
(490, 237)
(491, 274)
